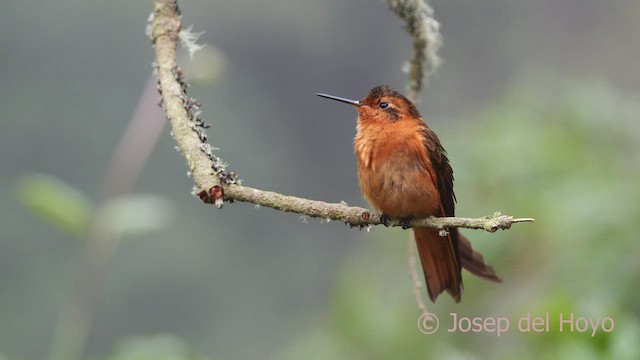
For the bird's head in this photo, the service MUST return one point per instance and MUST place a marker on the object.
(381, 105)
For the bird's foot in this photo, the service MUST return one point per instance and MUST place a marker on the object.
(384, 219)
(406, 222)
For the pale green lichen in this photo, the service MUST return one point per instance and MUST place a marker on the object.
(427, 40)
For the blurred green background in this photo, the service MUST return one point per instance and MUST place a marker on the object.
(538, 105)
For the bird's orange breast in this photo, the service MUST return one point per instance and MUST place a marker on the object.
(395, 172)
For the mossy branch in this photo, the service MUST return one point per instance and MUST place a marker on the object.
(425, 31)
(214, 184)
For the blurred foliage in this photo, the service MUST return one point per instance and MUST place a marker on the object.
(66, 208)
(56, 202)
(205, 66)
(132, 215)
(161, 347)
(136, 214)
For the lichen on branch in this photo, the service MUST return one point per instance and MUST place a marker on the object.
(183, 112)
(425, 31)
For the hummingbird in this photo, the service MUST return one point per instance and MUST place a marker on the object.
(404, 173)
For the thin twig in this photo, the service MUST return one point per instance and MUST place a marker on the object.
(415, 277)
(356, 216)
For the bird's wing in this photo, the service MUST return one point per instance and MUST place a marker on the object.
(443, 171)
(439, 255)
(465, 255)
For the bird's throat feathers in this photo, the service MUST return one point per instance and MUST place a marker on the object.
(373, 137)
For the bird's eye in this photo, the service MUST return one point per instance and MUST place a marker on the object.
(383, 105)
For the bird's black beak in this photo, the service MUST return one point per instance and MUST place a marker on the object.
(341, 99)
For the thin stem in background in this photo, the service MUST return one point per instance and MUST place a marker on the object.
(100, 245)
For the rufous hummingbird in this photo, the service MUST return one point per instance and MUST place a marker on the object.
(404, 173)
